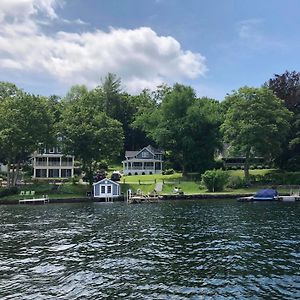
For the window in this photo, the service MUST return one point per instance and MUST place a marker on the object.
(109, 189)
(41, 173)
(53, 173)
(102, 189)
(66, 173)
(145, 154)
(52, 150)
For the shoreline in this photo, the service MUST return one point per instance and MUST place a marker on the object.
(122, 198)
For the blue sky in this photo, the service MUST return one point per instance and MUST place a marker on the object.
(216, 46)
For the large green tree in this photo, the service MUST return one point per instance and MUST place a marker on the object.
(25, 123)
(256, 124)
(123, 107)
(186, 127)
(286, 86)
(88, 133)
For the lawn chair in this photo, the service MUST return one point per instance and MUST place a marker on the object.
(22, 193)
(27, 193)
(32, 193)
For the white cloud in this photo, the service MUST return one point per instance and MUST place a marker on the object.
(139, 56)
(22, 9)
(249, 29)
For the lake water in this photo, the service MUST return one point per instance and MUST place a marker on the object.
(171, 250)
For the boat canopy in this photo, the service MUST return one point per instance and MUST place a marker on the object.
(266, 193)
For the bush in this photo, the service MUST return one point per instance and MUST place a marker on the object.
(215, 180)
(168, 172)
(75, 179)
(236, 182)
(10, 191)
(103, 164)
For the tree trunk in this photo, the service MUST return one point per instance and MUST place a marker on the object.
(16, 173)
(8, 174)
(184, 173)
(246, 170)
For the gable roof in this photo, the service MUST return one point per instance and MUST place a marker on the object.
(106, 179)
(151, 149)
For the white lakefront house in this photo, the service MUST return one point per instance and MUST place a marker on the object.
(145, 161)
(52, 163)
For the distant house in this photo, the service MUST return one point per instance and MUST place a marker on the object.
(3, 168)
(106, 188)
(52, 163)
(145, 161)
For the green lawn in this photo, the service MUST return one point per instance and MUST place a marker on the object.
(67, 190)
(150, 178)
(146, 183)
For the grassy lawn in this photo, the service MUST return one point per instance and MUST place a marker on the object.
(146, 188)
(150, 178)
(146, 183)
(67, 190)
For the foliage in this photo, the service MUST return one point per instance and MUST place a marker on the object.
(236, 182)
(277, 178)
(88, 133)
(8, 191)
(287, 87)
(255, 124)
(25, 123)
(168, 172)
(184, 126)
(215, 180)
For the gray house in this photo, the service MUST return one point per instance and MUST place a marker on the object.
(106, 188)
(145, 161)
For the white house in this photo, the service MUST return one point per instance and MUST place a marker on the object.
(3, 168)
(106, 188)
(145, 161)
(52, 163)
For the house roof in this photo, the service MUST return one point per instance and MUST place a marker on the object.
(105, 179)
(131, 153)
(149, 148)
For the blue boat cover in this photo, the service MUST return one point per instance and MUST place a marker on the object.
(267, 193)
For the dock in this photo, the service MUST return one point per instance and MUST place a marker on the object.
(139, 197)
(43, 200)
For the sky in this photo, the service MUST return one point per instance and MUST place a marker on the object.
(215, 46)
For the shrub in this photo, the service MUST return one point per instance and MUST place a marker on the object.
(215, 180)
(103, 164)
(9, 191)
(168, 172)
(75, 179)
(236, 182)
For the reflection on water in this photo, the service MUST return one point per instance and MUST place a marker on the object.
(169, 250)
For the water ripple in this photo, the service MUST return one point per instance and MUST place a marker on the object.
(170, 250)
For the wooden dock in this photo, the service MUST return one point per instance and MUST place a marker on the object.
(43, 200)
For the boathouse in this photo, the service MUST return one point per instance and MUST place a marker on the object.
(106, 188)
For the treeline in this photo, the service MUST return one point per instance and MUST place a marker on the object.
(100, 124)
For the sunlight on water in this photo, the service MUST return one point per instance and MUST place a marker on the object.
(170, 250)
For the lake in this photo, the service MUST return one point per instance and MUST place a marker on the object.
(170, 250)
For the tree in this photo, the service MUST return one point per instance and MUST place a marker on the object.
(287, 87)
(186, 127)
(256, 124)
(7, 89)
(89, 133)
(25, 123)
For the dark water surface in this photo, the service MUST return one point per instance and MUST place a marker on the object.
(172, 250)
